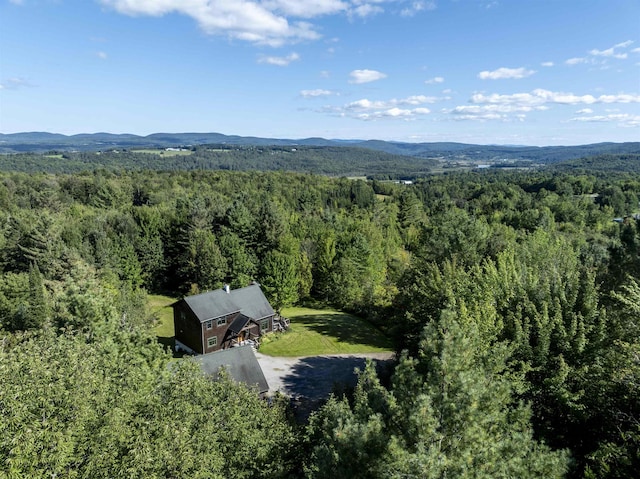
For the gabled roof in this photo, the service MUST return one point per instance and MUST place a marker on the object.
(239, 362)
(213, 304)
(239, 323)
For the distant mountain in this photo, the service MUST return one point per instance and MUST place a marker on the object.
(447, 151)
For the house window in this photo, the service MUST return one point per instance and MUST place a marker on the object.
(222, 321)
(264, 325)
(212, 342)
(208, 324)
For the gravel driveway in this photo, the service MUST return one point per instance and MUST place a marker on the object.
(313, 378)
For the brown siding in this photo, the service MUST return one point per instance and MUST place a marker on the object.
(215, 331)
(187, 327)
(194, 334)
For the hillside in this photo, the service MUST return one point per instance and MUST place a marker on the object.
(38, 142)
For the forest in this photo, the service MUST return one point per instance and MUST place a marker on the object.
(512, 298)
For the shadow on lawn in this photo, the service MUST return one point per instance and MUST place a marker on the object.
(345, 328)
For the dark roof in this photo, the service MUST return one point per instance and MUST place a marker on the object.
(239, 323)
(213, 304)
(239, 362)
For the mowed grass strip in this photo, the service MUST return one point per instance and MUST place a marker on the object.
(160, 307)
(318, 332)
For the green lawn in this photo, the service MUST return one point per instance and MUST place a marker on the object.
(312, 332)
(160, 307)
(317, 332)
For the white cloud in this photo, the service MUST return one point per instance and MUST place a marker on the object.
(365, 10)
(541, 97)
(307, 8)
(279, 61)
(505, 73)
(609, 52)
(17, 2)
(417, 7)
(316, 93)
(101, 55)
(624, 44)
(547, 64)
(622, 119)
(433, 80)
(408, 108)
(515, 106)
(600, 57)
(481, 117)
(413, 100)
(365, 76)
(576, 61)
(493, 108)
(636, 50)
(241, 19)
(263, 22)
(14, 83)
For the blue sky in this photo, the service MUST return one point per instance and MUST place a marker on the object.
(526, 72)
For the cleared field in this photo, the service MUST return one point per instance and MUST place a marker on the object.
(313, 332)
(318, 332)
(158, 151)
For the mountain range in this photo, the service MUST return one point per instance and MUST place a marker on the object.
(38, 142)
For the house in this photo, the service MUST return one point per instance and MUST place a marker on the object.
(222, 318)
(240, 363)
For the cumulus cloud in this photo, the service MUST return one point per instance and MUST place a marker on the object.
(365, 76)
(316, 93)
(433, 80)
(241, 19)
(541, 97)
(264, 22)
(413, 100)
(505, 73)
(547, 64)
(365, 10)
(279, 61)
(516, 106)
(408, 108)
(307, 8)
(622, 119)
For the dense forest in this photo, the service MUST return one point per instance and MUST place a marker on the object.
(333, 161)
(512, 298)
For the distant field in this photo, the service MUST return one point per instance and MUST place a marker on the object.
(163, 152)
(317, 332)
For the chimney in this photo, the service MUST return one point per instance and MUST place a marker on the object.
(227, 288)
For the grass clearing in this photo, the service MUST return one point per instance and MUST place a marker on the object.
(152, 151)
(160, 307)
(316, 332)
